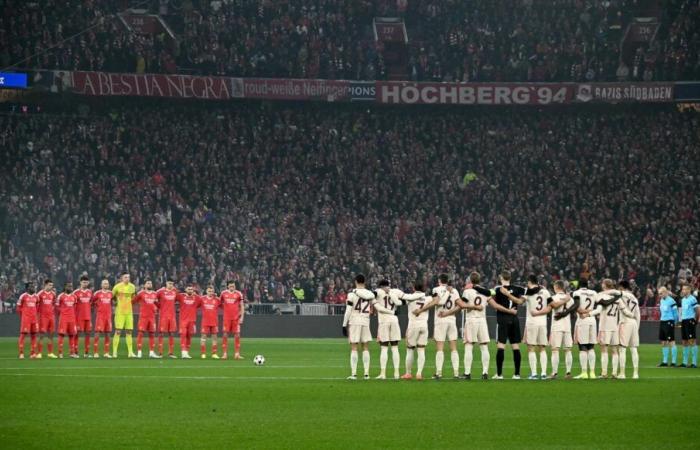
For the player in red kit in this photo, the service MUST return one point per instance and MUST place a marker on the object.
(147, 299)
(232, 302)
(102, 301)
(29, 325)
(166, 313)
(189, 302)
(84, 312)
(210, 321)
(47, 317)
(66, 303)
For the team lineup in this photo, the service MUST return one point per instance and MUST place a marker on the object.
(75, 308)
(616, 330)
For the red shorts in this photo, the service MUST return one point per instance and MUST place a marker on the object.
(210, 329)
(67, 327)
(85, 325)
(232, 326)
(188, 329)
(47, 324)
(103, 324)
(28, 326)
(167, 325)
(147, 324)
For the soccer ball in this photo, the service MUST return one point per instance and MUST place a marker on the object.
(259, 360)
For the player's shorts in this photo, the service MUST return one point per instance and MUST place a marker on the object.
(629, 334)
(667, 331)
(28, 326)
(445, 331)
(535, 334)
(508, 330)
(476, 331)
(103, 324)
(417, 336)
(232, 326)
(124, 321)
(609, 338)
(47, 324)
(359, 334)
(147, 324)
(84, 325)
(585, 331)
(210, 329)
(561, 339)
(688, 329)
(389, 332)
(67, 327)
(188, 328)
(167, 325)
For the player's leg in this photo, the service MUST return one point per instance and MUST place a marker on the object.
(583, 361)
(128, 330)
(420, 350)
(555, 360)
(139, 339)
(87, 328)
(622, 358)
(171, 342)
(203, 342)
(531, 358)
(20, 344)
(685, 339)
(501, 337)
(74, 339)
(383, 359)
(224, 339)
(32, 340)
(454, 354)
(353, 357)
(439, 332)
(237, 340)
(567, 342)
(615, 357)
(365, 354)
(603, 360)
(215, 342)
(468, 359)
(485, 360)
(591, 361)
(395, 337)
(409, 362)
(515, 337)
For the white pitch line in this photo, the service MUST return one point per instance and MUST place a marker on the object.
(172, 367)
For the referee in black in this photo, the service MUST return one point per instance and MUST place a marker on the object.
(505, 301)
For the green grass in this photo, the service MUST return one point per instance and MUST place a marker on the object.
(300, 399)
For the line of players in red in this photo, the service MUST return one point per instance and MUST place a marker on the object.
(75, 307)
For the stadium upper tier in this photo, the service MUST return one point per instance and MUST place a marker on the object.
(278, 194)
(446, 40)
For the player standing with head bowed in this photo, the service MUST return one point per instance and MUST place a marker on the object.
(608, 308)
(388, 330)
(629, 330)
(234, 313)
(47, 317)
(417, 330)
(690, 310)
(537, 298)
(66, 303)
(124, 292)
(166, 315)
(585, 332)
(210, 305)
(102, 300)
(29, 325)
(562, 305)
(84, 311)
(505, 302)
(668, 309)
(189, 302)
(356, 324)
(147, 299)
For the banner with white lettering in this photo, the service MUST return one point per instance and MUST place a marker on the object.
(625, 92)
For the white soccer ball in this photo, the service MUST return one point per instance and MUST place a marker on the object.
(259, 360)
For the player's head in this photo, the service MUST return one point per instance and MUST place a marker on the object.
(210, 290)
(68, 287)
(443, 278)
(504, 276)
(559, 286)
(148, 285)
(231, 285)
(189, 290)
(359, 280)
(169, 283)
(624, 285)
(384, 284)
(532, 280)
(475, 277)
(607, 283)
(583, 284)
(48, 285)
(125, 277)
(104, 284)
(685, 290)
(418, 286)
(663, 292)
(29, 287)
(84, 282)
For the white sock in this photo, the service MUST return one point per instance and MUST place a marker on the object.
(555, 360)
(485, 359)
(409, 360)
(543, 362)
(439, 360)
(353, 362)
(591, 360)
(383, 358)
(615, 362)
(622, 352)
(365, 361)
(455, 362)
(604, 362)
(395, 359)
(421, 361)
(635, 360)
(532, 360)
(468, 358)
(583, 360)
(568, 360)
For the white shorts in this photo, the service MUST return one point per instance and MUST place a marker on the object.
(561, 339)
(389, 332)
(629, 334)
(609, 338)
(445, 331)
(535, 334)
(417, 337)
(585, 332)
(476, 332)
(359, 334)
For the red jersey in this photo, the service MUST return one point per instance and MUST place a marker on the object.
(66, 306)
(103, 302)
(148, 301)
(232, 302)
(166, 302)
(84, 305)
(46, 303)
(188, 307)
(210, 310)
(27, 306)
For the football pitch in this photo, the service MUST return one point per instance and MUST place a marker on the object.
(300, 399)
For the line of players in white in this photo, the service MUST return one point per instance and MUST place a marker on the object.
(617, 309)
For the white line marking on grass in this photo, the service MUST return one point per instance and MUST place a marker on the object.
(173, 377)
(52, 368)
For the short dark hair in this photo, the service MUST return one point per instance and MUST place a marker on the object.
(123, 273)
(532, 278)
(418, 286)
(505, 274)
(84, 278)
(47, 281)
(169, 280)
(475, 277)
(560, 284)
(384, 283)
(230, 282)
(583, 283)
(443, 278)
(624, 284)
(360, 278)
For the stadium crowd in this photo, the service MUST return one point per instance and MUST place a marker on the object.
(282, 196)
(474, 40)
